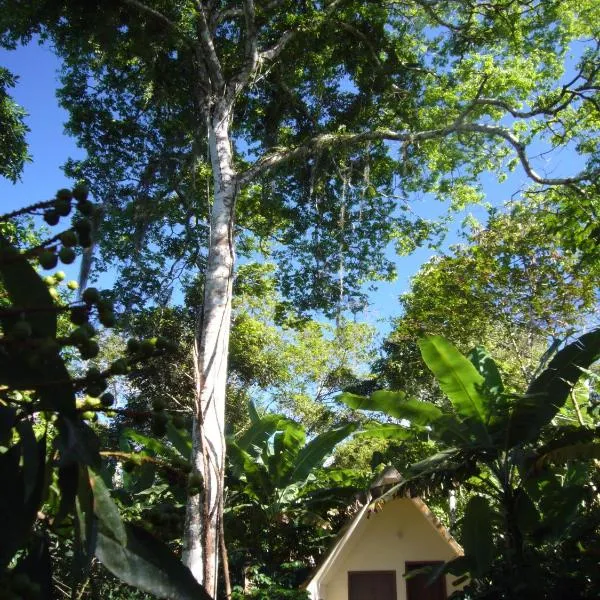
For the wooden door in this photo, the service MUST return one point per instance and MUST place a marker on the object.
(372, 585)
(417, 588)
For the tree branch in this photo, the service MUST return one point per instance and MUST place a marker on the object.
(153, 12)
(250, 50)
(210, 54)
(330, 140)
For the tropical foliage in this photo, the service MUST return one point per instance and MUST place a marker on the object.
(530, 475)
(50, 451)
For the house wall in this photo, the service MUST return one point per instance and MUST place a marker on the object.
(385, 542)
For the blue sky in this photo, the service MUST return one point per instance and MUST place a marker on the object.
(37, 69)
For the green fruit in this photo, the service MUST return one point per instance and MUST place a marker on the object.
(51, 217)
(195, 483)
(67, 255)
(107, 399)
(133, 345)
(68, 238)
(104, 305)
(62, 207)
(59, 276)
(107, 319)
(147, 346)
(79, 315)
(94, 390)
(21, 330)
(64, 194)
(72, 285)
(49, 280)
(93, 373)
(90, 295)
(89, 349)
(80, 192)
(89, 329)
(178, 422)
(47, 259)
(159, 425)
(119, 367)
(79, 336)
(88, 415)
(85, 207)
(158, 404)
(82, 226)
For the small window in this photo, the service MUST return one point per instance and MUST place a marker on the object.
(372, 585)
(417, 587)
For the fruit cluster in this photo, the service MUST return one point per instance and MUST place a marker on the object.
(80, 233)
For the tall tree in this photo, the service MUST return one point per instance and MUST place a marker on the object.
(13, 146)
(524, 277)
(397, 96)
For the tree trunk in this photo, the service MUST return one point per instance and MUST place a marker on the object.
(203, 514)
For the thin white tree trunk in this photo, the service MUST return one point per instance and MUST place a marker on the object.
(201, 536)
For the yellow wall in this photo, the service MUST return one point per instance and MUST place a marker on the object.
(384, 542)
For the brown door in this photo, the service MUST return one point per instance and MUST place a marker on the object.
(417, 587)
(372, 585)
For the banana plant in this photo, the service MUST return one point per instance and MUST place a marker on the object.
(276, 466)
(280, 491)
(525, 469)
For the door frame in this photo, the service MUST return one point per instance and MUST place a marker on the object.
(376, 572)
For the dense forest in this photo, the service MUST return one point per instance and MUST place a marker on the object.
(204, 426)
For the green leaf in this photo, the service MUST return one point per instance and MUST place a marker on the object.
(17, 515)
(317, 449)
(145, 563)
(488, 369)
(181, 440)
(86, 527)
(394, 404)
(106, 510)
(8, 417)
(36, 563)
(77, 442)
(259, 430)
(457, 566)
(386, 431)
(252, 412)
(26, 289)
(287, 443)
(436, 462)
(565, 454)
(142, 478)
(549, 392)
(477, 534)
(31, 465)
(156, 447)
(528, 518)
(68, 482)
(459, 380)
(259, 483)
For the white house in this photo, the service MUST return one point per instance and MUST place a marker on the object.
(370, 557)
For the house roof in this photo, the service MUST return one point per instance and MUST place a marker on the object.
(372, 506)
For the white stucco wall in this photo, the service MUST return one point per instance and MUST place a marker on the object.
(384, 542)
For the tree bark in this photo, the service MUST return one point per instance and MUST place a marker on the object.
(204, 510)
